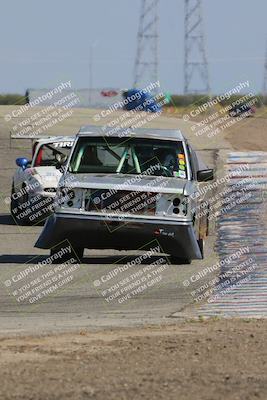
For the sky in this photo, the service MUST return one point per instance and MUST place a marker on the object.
(47, 42)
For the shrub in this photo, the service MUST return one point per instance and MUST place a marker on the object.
(12, 99)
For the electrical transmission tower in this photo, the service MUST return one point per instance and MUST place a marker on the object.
(146, 62)
(264, 89)
(195, 62)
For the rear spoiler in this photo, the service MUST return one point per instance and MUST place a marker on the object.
(32, 137)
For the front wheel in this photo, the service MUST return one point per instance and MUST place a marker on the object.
(179, 260)
(19, 206)
(13, 203)
(201, 244)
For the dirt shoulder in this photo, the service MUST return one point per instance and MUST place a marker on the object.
(222, 359)
(249, 134)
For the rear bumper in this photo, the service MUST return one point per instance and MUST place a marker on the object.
(175, 238)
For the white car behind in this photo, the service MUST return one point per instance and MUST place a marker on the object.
(35, 182)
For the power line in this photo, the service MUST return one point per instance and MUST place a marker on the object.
(146, 62)
(195, 59)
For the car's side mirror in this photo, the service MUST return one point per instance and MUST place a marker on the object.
(22, 162)
(205, 175)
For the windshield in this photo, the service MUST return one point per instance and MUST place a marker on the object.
(50, 154)
(129, 156)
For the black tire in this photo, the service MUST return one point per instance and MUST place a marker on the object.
(201, 246)
(24, 221)
(180, 260)
(13, 203)
(76, 254)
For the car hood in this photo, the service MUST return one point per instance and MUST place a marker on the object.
(140, 183)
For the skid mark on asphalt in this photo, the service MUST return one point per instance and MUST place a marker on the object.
(242, 289)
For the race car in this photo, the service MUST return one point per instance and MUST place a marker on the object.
(35, 182)
(126, 191)
(139, 100)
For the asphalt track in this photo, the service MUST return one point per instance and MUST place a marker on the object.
(81, 304)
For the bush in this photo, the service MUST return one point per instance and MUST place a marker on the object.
(187, 100)
(198, 99)
(12, 99)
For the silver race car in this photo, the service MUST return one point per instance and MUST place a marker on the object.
(35, 182)
(126, 190)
